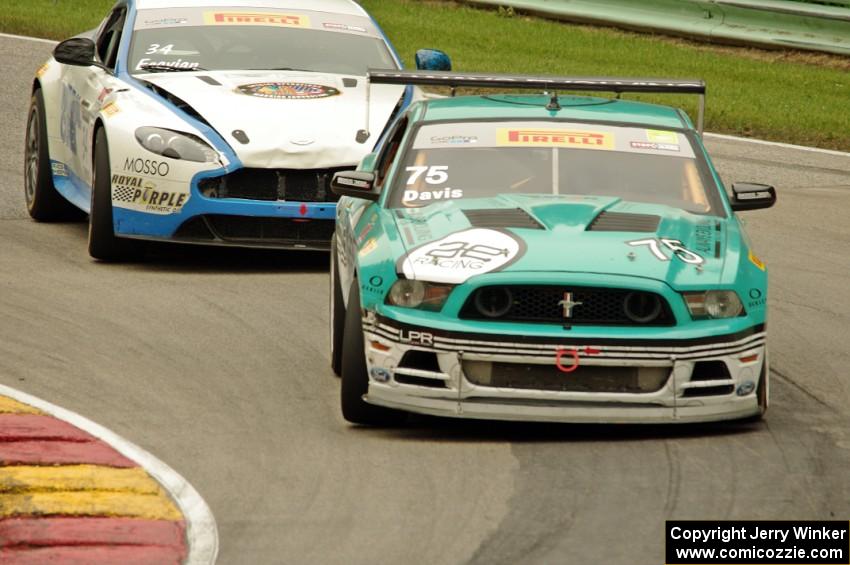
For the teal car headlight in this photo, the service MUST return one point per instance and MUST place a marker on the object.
(176, 145)
(418, 294)
(714, 304)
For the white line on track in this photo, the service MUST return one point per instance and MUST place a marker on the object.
(201, 530)
(708, 134)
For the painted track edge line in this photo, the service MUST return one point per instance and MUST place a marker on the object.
(28, 38)
(707, 134)
(777, 144)
(201, 529)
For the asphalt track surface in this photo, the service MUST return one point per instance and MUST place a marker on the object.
(216, 361)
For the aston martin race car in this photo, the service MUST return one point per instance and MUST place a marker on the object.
(551, 258)
(208, 121)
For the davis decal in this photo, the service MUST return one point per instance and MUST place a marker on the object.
(418, 197)
(142, 194)
(256, 19)
(287, 90)
(456, 257)
(554, 138)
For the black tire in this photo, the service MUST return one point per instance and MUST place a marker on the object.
(44, 203)
(337, 314)
(355, 378)
(103, 244)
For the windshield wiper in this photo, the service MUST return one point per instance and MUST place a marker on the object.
(168, 68)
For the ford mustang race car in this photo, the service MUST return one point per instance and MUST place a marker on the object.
(208, 121)
(554, 258)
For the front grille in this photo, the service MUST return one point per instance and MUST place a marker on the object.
(585, 378)
(258, 230)
(551, 304)
(309, 185)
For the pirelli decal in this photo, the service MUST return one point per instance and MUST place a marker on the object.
(245, 18)
(511, 137)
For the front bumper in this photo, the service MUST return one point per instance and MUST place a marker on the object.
(445, 389)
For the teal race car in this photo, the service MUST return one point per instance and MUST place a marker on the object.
(547, 258)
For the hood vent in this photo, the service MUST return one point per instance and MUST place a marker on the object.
(619, 221)
(209, 80)
(502, 218)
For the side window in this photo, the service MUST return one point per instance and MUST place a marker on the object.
(110, 38)
(390, 150)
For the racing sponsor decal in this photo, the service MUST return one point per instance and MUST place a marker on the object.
(103, 94)
(704, 238)
(573, 356)
(554, 138)
(368, 247)
(757, 299)
(143, 194)
(756, 261)
(416, 337)
(343, 27)
(58, 169)
(287, 90)
(167, 22)
(256, 19)
(454, 139)
(456, 257)
(111, 109)
(677, 247)
(651, 146)
(42, 69)
(661, 136)
(147, 167)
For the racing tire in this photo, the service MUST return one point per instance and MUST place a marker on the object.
(44, 203)
(103, 245)
(355, 377)
(337, 314)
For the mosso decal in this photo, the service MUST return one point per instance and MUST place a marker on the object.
(461, 255)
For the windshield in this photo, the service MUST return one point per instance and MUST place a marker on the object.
(458, 161)
(239, 39)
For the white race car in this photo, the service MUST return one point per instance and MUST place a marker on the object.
(214, 121)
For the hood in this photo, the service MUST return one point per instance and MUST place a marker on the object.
(285, 119)
(561, 234)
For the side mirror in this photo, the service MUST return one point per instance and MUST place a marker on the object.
(433, 60)
(77, 51)
(752, 196)
(356, 184)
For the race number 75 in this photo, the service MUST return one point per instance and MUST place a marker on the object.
(674, 245)
(435, 174)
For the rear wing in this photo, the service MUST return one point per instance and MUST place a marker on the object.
(550, 84)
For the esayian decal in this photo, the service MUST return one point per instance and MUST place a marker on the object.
(456, 257)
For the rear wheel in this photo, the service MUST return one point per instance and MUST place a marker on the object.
(337, 314)
(44, 203)
(355, 378)
(103, 244)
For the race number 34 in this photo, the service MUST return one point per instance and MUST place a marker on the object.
(674, 245)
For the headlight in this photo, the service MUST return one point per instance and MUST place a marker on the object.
(417, 294)
(175, 145)
(714, 304)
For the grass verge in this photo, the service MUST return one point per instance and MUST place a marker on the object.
(790, 97)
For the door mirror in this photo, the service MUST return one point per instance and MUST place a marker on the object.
(77, 51)
(752, 196)
(433, 60)
(356, 184)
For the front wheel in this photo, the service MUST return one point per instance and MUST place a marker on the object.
(355, 377)
(337, 313)
(103, 244)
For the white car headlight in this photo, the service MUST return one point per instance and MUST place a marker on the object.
(417, 294)
(714, 304)
(176, 145)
